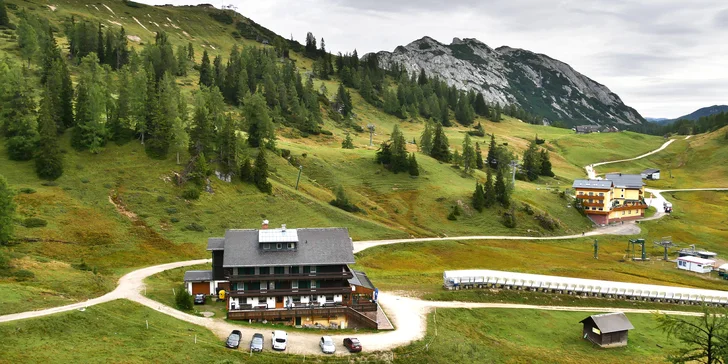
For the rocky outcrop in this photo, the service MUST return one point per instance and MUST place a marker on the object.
(539, 84)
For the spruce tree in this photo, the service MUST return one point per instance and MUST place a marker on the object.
(199, 171)
(492, 153)
(228, 148)
(190, 52)
(27, 40)
(532, 161)
(489, 190)
(164, 114)
(260, 173)
(258, 121)
(90, 131)
(218, 73)
(481, 108)
(464, 111)
(182, 61)
(478, 197)
(246, 171)
(414, 169)
(100, 46)
(4, 19)
(20, 125)
(478, 156)
(444, 113)
(206, 71)
(426, 139)
(367, 90)
(468, 154)
(7, 212)
(546, 164)
(48, 157)
(347, 143)
(501, 190)
(440, 145)
(399, 162)
(343, 100)
(202, 139)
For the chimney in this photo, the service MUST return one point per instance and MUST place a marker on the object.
(283, 227)
(265, 224)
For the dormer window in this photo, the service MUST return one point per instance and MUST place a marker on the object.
(279, 246)
(266, 246)
(291, 246)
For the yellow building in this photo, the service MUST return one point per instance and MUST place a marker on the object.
(617, 197)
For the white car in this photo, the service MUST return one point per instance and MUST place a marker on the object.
(279, 340)
(327, 345)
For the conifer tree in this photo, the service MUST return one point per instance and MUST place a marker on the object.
(260, 173)
(246, 171)
(259, 124)
(90, 131)
(468, 154)
(414, 169)
(100, 45)
(546, 164)
(4, 19)
(182, 61)
(27, 40)
(444, 113)
(532, 161)
(218, 73)
(228, 148)
(464, 111)
(190, 52)
(367, 90)
(426, 139)
(489, 190)
(201, 133)
(343, 100)
(206, 78)
(163, 118)
(478, 156)
(7, 212)
(440, 145)
(501, 190)
(347, 143)
(399, 162)
(481, 108)
(199, 170)
(492, 150)
(478, 197)
(20, 125)
(48, 157)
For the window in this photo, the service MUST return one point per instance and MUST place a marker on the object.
(601, 193)
(291, 246)
(294, 270)
(294, 285)
(306, 269)
(266, 246)
(600, 209)
(247, 270)
(296, 299)
(314, 284)
(581, 192)
(264, 270)
(278, 270)
(591, 193)
(303, 284)
(313, 269)
(330, 298)
(279, 246)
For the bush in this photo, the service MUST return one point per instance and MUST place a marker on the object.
(85, 180)
(161, 199)
(547, 222)
(82, 266)
(191, 193)
(195, 227)
(49, 183)
(509, 219)
(34, 222)
(326, 132)
(342, 201)
(23, 275)
(357, 128)
(27, 190)
(285, 153)
(171, 210)
(174, 220)
(222, 16)
(528, 209)
(183, 299)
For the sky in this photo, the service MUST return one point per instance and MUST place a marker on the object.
(665, 58)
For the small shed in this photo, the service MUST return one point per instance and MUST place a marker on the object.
(695, 264)
(651, 173)
(607, 330)
(199, 281)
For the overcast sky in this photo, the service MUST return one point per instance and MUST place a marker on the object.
(665, 58)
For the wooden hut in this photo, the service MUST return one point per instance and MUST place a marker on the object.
(607, 330)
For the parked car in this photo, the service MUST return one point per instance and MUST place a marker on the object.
(327, 345)
(233, 341)
(352, 344)
(279, 340)
(256, 344)
(200, 299)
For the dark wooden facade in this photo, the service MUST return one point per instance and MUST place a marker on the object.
(607, 331)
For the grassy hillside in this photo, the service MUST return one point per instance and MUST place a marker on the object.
(686, 163)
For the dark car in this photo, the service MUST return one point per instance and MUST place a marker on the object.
(199, 299)
(256, 344)
(352, 344)
(233, 341)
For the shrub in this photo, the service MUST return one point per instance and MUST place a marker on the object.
(82, 266)
(161, 199)
(27, 190)
(174, 220)
(191, 193)
(326, 132)
(23, 275)
(222, 16)
(547, 222)
(528, 209)
(357, 128)
(285, 153)
(509, 219)
(183, 299)
(195, 227)
(171, 210)
(34, 222)
(342, 201)
(85, 180)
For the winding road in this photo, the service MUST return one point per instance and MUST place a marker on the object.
(407, 314)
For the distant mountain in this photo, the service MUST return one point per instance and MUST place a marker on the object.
(656, 120)
(539, 84)
(706, 111)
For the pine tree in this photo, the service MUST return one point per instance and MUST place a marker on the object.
(414, 169)
(464, 113)
(546, 164)
(27, 40)
(367, 90)
(260, 173)
(399, 161)
(478, 197)
(258, 121)
(218, 73)
(444, 113)
(20, 125)
(343, 100)
(206, 71)
(481, 108)
(246, 171)
(163, 118)
(426, 139)
(478, 156)
(532, 161)
(91, 100)
(422, 79)
(492, 159)
(489, 190)
(347, 143)
(440, 145)
(199, 170)
(48, 157)
(228, 148)
(468, 154)
(7, 212)
(100, 45)
(202, 139)
(182, 61)
(501, 190)
(190, 52)
(4, 19)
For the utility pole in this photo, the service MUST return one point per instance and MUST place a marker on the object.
(371, 128)
(596, 249)
(300, 169)
(514, 165)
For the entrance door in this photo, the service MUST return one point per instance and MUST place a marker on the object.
(298, 321)
(279, 302)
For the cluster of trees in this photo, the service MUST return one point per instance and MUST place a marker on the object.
(4, 19)
(491, 191)
(536, 162)
(110, 46)
(704, 124)
(257, 71)
(704, 339)
(7, 212)
(393, 155)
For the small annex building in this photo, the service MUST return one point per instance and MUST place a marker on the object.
(608, 330)
(695, 264)
(651, 173)
(199, 281)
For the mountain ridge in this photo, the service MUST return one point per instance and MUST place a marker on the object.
(538, 83)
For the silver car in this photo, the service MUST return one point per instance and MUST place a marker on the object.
(327, 345)
(256, 344)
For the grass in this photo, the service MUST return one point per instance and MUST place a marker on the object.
(527, 336)
(687, 163)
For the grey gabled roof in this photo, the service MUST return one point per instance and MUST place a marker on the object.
(215, 243)
(593, 184)
(625, 180)
(361, 279)
(650, 170)
(587, 127)
(316, 246)
(198, 275)
(610, 322)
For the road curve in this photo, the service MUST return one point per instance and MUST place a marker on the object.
(590, 168)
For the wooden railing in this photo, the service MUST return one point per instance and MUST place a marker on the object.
(286, 314)
(638, 206)
(364, 306)
(289, 291)
(288, 276)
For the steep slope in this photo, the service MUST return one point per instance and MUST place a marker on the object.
(538, 83)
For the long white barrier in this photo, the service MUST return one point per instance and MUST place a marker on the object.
(466, 279)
